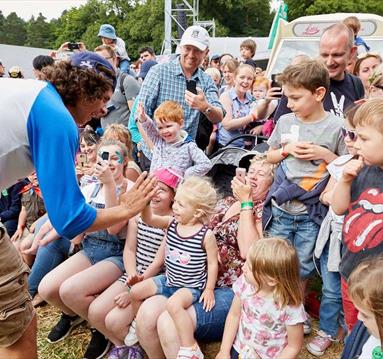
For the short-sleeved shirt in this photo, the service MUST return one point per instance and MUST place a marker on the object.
(121, 111)
(263, 325)
(239, 109)
(38, 131)
(34, 206)
(340, 96)
(363, 222)
(168, 82)
(325, 132)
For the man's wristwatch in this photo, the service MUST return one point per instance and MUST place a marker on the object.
(208, 110)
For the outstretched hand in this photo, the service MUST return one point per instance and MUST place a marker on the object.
(140, 194)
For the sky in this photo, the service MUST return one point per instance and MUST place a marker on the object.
(49, 8)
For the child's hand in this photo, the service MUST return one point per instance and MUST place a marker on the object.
(352, 169)
(122, 300)
(208, 299)
(141, 112)
(134, 279)
(310, 152)
(222, 355)
(17, 235)
(103, 172)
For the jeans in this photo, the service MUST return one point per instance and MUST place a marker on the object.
(330, 312)
(125, 66)
(301, 232)
(47, 258)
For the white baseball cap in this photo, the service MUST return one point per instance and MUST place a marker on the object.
(196, 36)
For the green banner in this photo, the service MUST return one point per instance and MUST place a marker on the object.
(280, 14)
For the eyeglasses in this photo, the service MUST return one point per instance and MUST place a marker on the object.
(349, 133)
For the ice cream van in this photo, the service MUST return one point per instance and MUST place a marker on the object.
(301, 36)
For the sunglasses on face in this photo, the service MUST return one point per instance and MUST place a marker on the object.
(349, 133)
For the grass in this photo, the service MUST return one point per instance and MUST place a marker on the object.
(74, 346)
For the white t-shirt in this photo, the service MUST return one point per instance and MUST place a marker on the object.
(369, 347)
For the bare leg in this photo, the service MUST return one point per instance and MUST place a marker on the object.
(118, 321)
(168, 335)
(25, 347)
(177, 308)
(146, 320)
(100, 309)
(78, 291)
(49, 288)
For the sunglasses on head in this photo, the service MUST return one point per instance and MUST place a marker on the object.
(349, 133)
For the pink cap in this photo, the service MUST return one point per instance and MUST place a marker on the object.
(168, 176)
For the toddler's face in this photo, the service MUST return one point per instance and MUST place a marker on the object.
(163, 198)
(259, 92)
(368, 319)
(169, 131)
(349, 135)
(246, 53)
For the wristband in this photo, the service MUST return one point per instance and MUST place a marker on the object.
(247, 205)
(246, 209)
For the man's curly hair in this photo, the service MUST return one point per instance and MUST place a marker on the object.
(74, 83)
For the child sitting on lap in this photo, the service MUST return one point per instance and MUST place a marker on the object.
(173, 147)
(191, 261)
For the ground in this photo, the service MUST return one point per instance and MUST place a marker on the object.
(73, 347)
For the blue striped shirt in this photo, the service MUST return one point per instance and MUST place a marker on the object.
(168, 82)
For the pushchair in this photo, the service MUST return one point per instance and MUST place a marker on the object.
(228, 158)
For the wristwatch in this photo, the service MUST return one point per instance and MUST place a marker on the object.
(208, 110)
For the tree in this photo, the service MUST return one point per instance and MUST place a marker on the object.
(2, 34)
(39, 33)
(14, 30)
(299, 8)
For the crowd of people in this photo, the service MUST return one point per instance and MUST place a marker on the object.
(107, 211)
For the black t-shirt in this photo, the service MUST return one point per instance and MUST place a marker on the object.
(340, 96)
(362, 234)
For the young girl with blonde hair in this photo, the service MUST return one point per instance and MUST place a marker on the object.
(266, 316)
(366, 291)
(191, 261)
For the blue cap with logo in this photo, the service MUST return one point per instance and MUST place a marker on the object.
(92, 61)
(107, 31)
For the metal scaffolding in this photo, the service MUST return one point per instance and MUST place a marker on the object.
(191, 9)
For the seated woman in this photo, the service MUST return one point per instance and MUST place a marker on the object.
(235, 230)
(237, 104)
(73, 285)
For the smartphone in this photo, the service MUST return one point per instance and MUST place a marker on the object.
(73, 46)
(105, 155)
(240, 173)
(81, 160)
(191, 85)
(275, 83)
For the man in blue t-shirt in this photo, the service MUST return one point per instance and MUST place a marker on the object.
(39, 130)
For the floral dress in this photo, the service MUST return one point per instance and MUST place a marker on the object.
(231, 262)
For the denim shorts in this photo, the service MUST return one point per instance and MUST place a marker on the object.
(301, 231)
(97, 250)
(166, 291)
(210, 325)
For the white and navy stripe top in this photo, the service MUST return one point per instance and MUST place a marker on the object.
(148, 241)
(185, 258)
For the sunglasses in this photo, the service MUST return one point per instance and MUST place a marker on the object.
(349, 133)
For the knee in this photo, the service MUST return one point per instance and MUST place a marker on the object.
(165, 325)
(113, 323)
(146, 320)
(173, 306)
(48, 288)
(96, 313)
(69, 292)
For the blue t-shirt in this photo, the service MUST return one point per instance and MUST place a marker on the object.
(38, 132)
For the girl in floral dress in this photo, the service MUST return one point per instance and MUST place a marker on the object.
(266, 317)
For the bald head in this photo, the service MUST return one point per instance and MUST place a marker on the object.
(336, 48)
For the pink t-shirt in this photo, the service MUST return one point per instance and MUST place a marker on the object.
(262, 329)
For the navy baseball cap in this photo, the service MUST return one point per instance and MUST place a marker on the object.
(145, 67)
(92, 61)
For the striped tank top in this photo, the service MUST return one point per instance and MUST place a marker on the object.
(185, 258)
(148, 241)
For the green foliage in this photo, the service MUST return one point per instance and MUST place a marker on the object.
(39, 33)
(14, 30)
(299, 8)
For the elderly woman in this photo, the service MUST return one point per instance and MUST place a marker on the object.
(236, 225)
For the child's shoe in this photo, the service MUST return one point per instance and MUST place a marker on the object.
(307, 327)
(131, 337)
(193, 352)
(319, 344)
